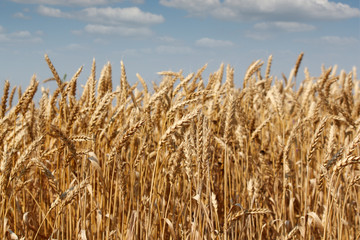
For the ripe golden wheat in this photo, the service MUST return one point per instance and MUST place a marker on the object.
(197, 158)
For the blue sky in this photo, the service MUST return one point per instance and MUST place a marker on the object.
(152, 36)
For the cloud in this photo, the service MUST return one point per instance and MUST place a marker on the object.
(193, 6)
(275, 10)
(111, 15)
(20, 15)
(260, 36)
(117, 30)
(39, 32)
(108, 15)
(284, 26)
(52, 12)
(137, 52)
(267, 30)
(118, 21)
(100, 41)
(166, 49)
(167, 39)
(339, 40)
(69, 2)
(138, 1)
(18, 36)
(74, 46)
(77, 32)
(208, 42)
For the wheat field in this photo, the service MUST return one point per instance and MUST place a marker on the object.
(189, 158)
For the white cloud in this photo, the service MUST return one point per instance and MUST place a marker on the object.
(276, 10)
(52, 12)
(69, 2)
(261, 36)
(18, 36)
(284, 26)
(208, 42)
(74, 46)
(165, 49)
(39, 32)
(108, 15)
(339, 40)
(138, 1)
(118, 21)
(4, 38)
(101, 41)
(193, 6)
(77, 32)
(20, 15)
(167, 39)
(117, 30)
(120, 15)
(137, 52)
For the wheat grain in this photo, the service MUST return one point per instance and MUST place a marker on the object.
(4, 98)
(193, 158)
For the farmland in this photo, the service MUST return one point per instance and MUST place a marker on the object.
(193, 157)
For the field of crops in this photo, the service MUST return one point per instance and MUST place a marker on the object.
(193, 157)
